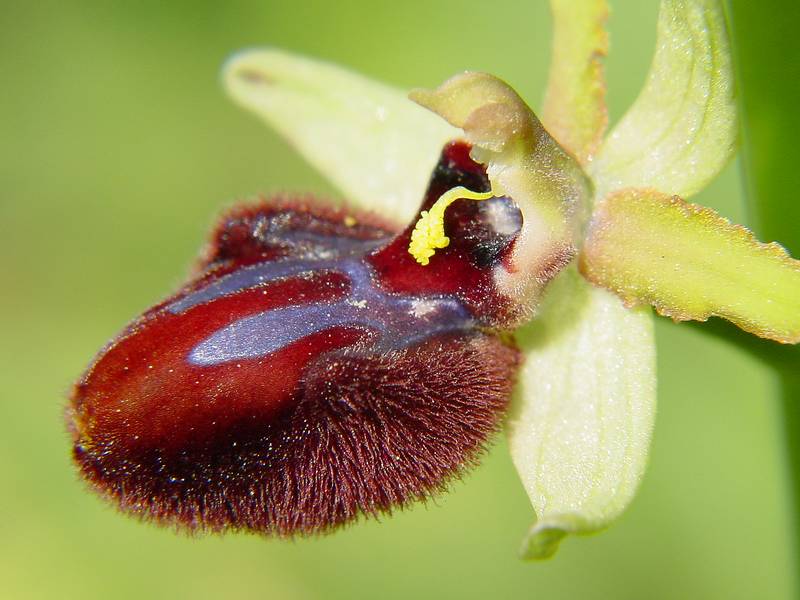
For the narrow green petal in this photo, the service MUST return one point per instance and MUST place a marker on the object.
(374, 144)
(524, 163)
(575, 110)
(690, 263)
(681, 131)
(580, 427)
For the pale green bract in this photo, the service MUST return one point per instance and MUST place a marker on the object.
(581, 419)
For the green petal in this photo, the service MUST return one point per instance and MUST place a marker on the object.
(575, 102)
(690, 263)
(580, 427)
(524, 163)
(374, 144)
(681, 131)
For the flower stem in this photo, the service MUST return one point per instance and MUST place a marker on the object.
(769, 92)
(790, 397)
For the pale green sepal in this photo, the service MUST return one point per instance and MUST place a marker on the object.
(370, 140)
(681, 131)
(581, 422)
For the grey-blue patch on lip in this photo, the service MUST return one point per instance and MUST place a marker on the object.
(397, 321)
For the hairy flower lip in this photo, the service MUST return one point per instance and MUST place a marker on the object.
(290, 388)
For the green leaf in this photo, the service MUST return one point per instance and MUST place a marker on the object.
(524, 163)
(580, 427)
(681, 131)
(575, 110)
(374, 144)
(690, 263)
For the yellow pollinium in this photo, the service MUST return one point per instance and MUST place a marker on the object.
(428, 234)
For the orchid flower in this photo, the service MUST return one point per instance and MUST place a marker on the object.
(324, 363)
(606, 233)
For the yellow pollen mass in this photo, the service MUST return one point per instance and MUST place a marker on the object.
(428, 234)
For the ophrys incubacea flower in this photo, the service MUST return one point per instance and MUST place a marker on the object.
(314, 369)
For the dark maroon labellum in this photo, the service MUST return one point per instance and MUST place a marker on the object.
(310, 371)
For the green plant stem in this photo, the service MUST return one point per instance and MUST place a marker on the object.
(790, 396)
(766, 46)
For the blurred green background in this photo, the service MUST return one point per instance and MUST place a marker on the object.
(119, 148)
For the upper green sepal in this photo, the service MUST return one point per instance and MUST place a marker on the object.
(575, 111)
